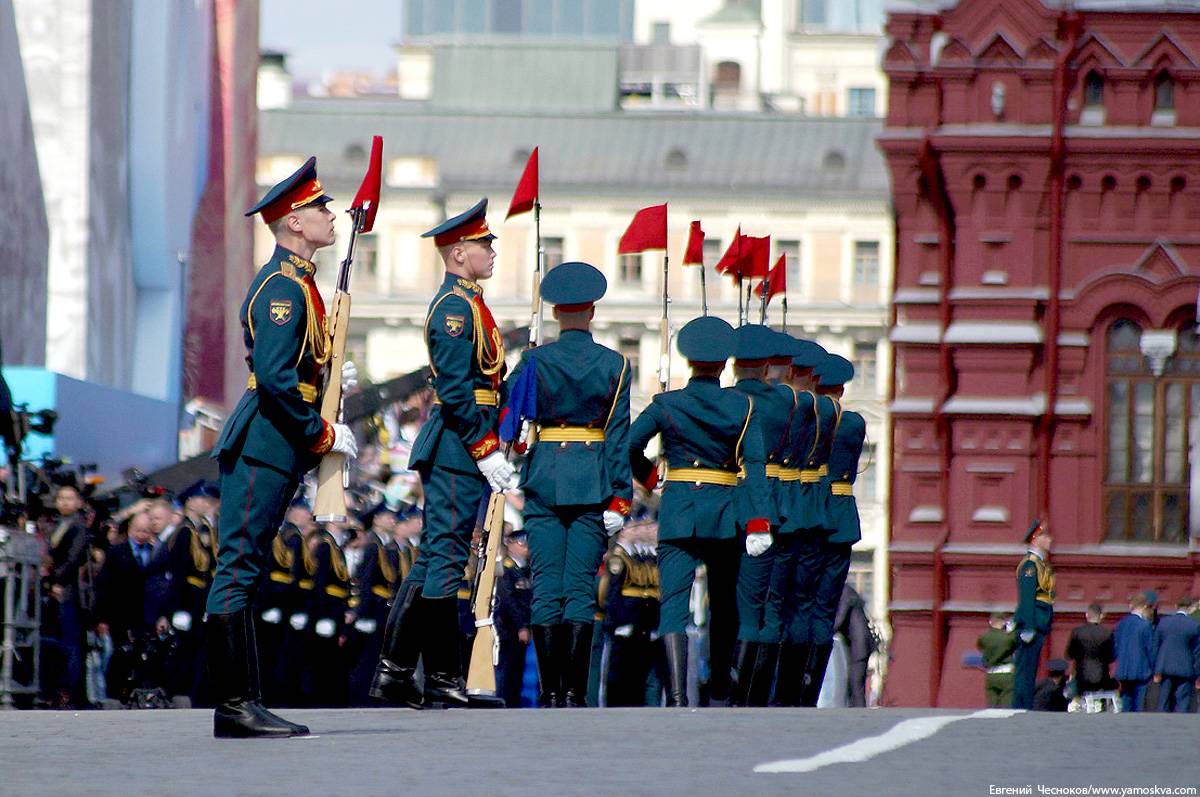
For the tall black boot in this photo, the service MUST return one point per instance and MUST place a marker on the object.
(793, 659)
(578, 665)
(444, 684)
(233, 665)
(763, 675)
(676, 646)
(743, 661)
(814, 674)
(545, 640)
(395, 679)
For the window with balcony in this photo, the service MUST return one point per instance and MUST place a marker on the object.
(1149, 422)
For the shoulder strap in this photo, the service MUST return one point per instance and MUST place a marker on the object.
(617, 393)
(737, 451)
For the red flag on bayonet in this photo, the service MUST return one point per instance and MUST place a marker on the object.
(694, 254)
(527, 189)
(648, 230)
(757, 256)
(731, 262)
(367, 197)
(776, 281)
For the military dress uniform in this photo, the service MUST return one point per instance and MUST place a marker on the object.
(466, 358)
(630, 586)
(709, 434)
(1035, 611)
(375, 583)
(189, 565)
(577, 470)
(759, 632)
(281, 607)
(841, 529)
(328, 603)
(271, 438)
(514, 596)
(997, 647)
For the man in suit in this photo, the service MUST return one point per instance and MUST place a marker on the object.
(1133, 642)
(1035, 610)
(709, 434)
(68, 552)
(1177, 666)
(576, 481)
(1091, 649)
(457, 454)
(121, 600)
(273, 436)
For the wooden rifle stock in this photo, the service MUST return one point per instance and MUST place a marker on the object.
(481, 676)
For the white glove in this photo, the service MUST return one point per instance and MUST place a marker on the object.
(500, 475)
(272, 616)
(624, 630)
(613, 521)
(298, 621)
(365, 625)
(343, 441)
(182, 621)
(349, 376)
(1026, 636)
(757, 544)
(325, 628)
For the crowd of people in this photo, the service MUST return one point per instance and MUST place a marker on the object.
(1149, 660)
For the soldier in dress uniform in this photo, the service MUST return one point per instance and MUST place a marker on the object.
(759, 635)
(514, 594)
(842, 527)
(576, 482)
(408, 537)
(280, 606)
(709, 434)
(328, 612)
(375, 583)
(272, 437)
(1035, 611)
(798, 539)
(458, 456)
(630, 584)
(189, 563)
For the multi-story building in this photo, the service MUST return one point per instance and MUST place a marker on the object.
(1043, 166)
(824, 202)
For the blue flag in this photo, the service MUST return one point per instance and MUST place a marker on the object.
(522, 402)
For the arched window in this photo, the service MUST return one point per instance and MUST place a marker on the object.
(1150, 422)
(1093, 99)
(1164, 92)
(728, 77)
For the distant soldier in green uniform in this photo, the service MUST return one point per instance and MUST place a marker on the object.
(272, 437)
(709, 434)
(997, 645)
(576, 482)
(759, 633)
(458, 456)
(1035, 611)
(830, 563)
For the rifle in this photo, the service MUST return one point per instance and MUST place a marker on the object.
(485, 651)
(330, 503)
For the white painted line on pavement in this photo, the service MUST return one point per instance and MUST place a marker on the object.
(904, 733)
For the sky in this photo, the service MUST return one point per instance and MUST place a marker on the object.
(322, 35)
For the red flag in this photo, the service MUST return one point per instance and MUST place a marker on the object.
(731, 262)
(527, 189)
(757, 256)
(694, 255)
(776, 281)
(648, 230)
(368, 193)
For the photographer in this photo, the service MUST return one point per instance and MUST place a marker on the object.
(68, 551)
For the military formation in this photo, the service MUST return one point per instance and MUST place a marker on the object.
(755, 502)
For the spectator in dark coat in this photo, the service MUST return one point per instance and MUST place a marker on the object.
(121, 585)
(852, 622)
(1177, 666)
(1133, 641)
(1091, 650)
(1049, 695)
(68, 552)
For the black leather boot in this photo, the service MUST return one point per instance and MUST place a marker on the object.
(444, 684)
(793, 659)
(578, 665)
(814, 674)
(233, 666)
(763, 674)
(395, 679)
(545, 640)
(676, 646)
(744, 658)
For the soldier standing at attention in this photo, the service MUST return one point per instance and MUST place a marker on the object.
(576, 482)
(996, 644)
(758, 635)
(189, 565)
(1035, 610)
(272, 437)
(709, 434)
(376, 580)
(457, 454)
(841, 527)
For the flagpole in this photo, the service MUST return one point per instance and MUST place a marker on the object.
(703, 290)
(766, 297)
(785, 312)
(664, 333)
(539, 271)
(741, 306)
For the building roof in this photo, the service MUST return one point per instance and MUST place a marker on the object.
(694, 154)
(1132, 6)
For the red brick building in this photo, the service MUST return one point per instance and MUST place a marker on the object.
(1045, 171)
